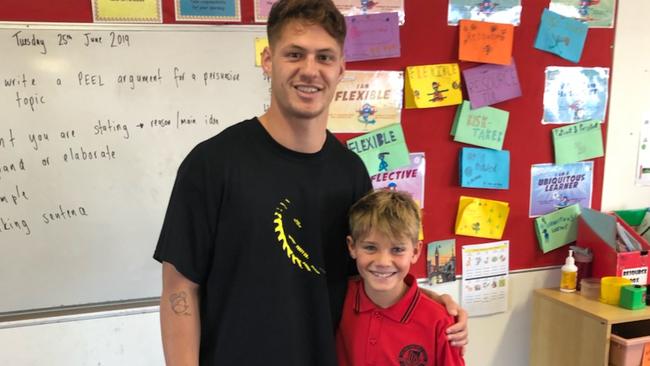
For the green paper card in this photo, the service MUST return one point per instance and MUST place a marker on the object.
(579, 141)
(382, 150)
(485, 126)
(557, 228)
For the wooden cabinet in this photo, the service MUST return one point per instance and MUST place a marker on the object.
(569, 329)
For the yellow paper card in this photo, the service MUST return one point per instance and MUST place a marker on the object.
(130, 11)
(430, 86)
(482, 218)
(260, 45)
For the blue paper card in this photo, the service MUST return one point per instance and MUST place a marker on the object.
(561, 35)
(484, 168)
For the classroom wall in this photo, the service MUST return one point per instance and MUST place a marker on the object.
(502, 339)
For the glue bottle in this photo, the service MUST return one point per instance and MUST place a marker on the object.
(569, 274)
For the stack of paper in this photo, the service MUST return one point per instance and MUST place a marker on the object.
(429, 86)
(482, 218)
(484, 168)
(485, 127)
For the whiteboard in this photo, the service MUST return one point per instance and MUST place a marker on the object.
(94, 122)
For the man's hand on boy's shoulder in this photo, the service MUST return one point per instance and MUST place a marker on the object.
(456, 333)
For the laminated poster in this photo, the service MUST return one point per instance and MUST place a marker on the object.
(485, 278)
(553, 187)
(595, 13)
(208, 10)
(347, 7)
(643, 166)
(496, 11)
(441, 261)
(366, 100)
(575, 94)
(130, 11)
(407, 179)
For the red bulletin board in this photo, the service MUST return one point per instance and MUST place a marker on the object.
(427, 39)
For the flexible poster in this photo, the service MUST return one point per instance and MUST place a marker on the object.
(366, 100)
(553, 187)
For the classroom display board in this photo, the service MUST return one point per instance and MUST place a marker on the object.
(105, 254)
(95, 122)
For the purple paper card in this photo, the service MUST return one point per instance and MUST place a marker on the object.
(372, 36)
(489, 84)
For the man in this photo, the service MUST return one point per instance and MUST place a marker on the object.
(253, 243)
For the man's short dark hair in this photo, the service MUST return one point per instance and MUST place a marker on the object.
(317, 12)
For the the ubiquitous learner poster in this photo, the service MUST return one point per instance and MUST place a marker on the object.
(596, 13)
(366, 100)
(643, 166)
(441, 261)
(356, 7)
(553, 187)
(485, 278)
(371, 36)
(142, 11)
(202, 10)
(407, 179)
(575, 94)
(497, 11)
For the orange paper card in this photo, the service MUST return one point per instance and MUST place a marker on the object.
(645, 361)
(485, 42)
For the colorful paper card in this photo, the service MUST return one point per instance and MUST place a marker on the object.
(485, 126)
(262, 10)
(407, 179)
(441, 261)
(358, 7)
(372, 36)
(366, 100)
(203, 10)
(489, 84)
(143, 11)
(484, 168)
(575, 94)
(557, 228)
(382, 150)
(579, 141)
(595, 13)
(553, 187)
(481, 217)
(260, 45)
(561, 35)
(429, 86)
(485, 42)
(497, 11)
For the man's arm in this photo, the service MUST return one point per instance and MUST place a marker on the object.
(457, 333)
(179, 318)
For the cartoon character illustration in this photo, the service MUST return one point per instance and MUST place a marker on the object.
(486, 7)
(437, 94)
(383, 164)
(365, 114)
(367, 5)
(392, 186)
(563, 201)
(578, 110)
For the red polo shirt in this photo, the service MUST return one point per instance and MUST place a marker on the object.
(409, 333)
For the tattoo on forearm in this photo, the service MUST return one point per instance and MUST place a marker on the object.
(179, 303)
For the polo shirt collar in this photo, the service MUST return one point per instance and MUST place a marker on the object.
(400, 312)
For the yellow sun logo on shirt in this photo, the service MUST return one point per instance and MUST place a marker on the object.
(286, 228)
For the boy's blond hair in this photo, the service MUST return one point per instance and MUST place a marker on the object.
(388, 212)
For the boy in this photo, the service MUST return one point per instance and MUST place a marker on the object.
(386, 319)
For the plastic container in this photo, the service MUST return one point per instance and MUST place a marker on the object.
(590, 288)
(626, 343)
(569, 277)
(610, 289)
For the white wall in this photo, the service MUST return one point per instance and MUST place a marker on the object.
(133, 337)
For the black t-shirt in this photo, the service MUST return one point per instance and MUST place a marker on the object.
(262, 230)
